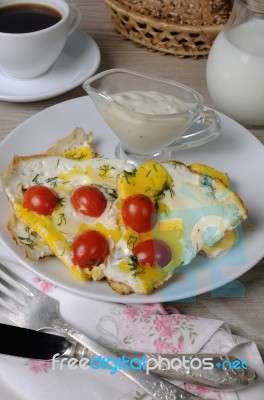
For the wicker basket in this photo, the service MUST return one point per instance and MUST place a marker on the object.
(159, 35)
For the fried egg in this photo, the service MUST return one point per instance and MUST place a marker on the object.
(77, 145)
(33, 244)
(230, 237)
(195, 211)
(63, 175)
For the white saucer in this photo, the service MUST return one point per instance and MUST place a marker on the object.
(78, 61)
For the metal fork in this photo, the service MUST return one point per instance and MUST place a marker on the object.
(34, 310)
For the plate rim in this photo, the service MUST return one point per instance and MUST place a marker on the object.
(134, 298)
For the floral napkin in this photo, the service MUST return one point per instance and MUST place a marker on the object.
(148, 328)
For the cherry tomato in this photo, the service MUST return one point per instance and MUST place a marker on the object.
(88, 200)
(139, 213)
(153, 252)
(89, 249)
(40, 199)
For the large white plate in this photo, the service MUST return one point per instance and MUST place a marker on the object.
(78, 61)
(236, 151)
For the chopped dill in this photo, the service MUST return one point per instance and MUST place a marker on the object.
(74, 156)
(104, 169)
(29, 239)
(134, 266)
(138, 272)
(35, 179)
(129, 175)
(160, 194)
(61, 201)
(52, 181)
(206, 182)
(110, 192)
(174, 164)
(148, 173)
(61, 219)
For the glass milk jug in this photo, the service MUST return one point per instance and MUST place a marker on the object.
(235, 66)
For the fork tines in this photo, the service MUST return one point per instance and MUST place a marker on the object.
(18, 284)
(14, 293)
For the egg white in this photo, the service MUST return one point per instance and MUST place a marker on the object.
(194, 210)
(64, 175)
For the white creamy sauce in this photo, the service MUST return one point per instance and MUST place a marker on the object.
(235, 75)
(151, 102)
(146, 121)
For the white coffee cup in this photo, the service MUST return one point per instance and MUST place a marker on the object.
(28, 55)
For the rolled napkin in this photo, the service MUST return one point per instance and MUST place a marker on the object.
(146, 328)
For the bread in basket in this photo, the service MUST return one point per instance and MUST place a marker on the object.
(179, 27)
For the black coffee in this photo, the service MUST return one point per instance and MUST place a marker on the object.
(25, 18)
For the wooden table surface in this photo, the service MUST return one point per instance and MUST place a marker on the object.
(244, 315)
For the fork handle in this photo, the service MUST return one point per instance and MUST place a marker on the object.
(156, 387)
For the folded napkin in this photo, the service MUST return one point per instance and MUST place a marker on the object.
(148, 328)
